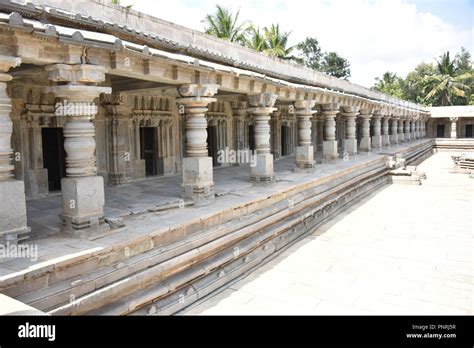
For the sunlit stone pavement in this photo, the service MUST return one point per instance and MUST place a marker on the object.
(406, 249)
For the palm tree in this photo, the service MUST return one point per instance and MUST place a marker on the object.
(387, 79)
(224, 24)
(277, 42)
(446, 83)
(257, 40)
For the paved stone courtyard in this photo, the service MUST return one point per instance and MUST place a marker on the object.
(417, 258)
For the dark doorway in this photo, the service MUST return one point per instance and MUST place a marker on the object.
(148, 149)
(469, 131)
(285, 140)
(251, 139)
(440, 131)
(212, 144)
(54, 156)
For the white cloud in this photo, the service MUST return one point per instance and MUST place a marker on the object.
(375, 35)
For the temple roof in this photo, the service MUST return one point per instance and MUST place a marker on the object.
(105, 23)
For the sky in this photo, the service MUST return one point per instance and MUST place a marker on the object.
(374, 35)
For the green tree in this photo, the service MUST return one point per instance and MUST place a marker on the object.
(447, 87)
(224, 25)
(311, 53)
(277, 43)
(414, 85)
(463, 61)
(390, 83)
(335, 65)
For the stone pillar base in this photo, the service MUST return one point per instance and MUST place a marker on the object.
(330, 150)
(377, 141)
(263, 171)
(350, 146)
(83, 202)
(408, 138)
(394, 139)
(385, 140)
(401, 138)
(305, 156)
(198, 181)
(365, 144)
(12, 212)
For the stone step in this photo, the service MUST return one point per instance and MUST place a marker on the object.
(110, 278)
(255, 249)
(147, 279)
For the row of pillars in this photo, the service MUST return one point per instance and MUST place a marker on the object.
(83, 190)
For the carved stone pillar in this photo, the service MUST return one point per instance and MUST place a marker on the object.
(36, 177)
(198, 180)
(330, 143)
(261, 108)
(394, 134)
(12, 192)
(82, 189)
(454, 121)
(118, 114)
(423, 129)
(365, 143)
(417, 129)
(377, 137)
(320, 133)
(401, 135)
(304, 150)
(238, 112)
(413, 130)
(407, 130)
(385, 130)
(350, 143)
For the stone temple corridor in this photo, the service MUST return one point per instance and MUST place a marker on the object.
(373, 258)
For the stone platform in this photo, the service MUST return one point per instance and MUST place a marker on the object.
(166, 245)
(370, 260)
